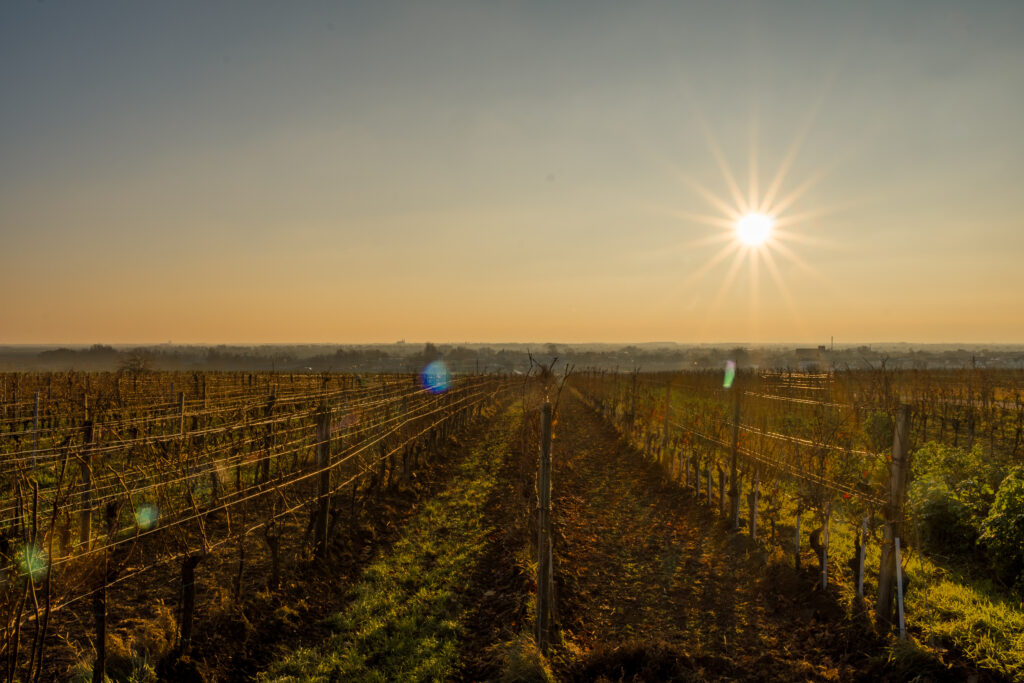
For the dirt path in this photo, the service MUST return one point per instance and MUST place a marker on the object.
(651, 585)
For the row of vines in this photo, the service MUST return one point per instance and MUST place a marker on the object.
(128, 484)
(908, 462)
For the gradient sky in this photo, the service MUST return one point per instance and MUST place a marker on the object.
(508, 171)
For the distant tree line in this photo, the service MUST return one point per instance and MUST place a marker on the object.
(511, 358)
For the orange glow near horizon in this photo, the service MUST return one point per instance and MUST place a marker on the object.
(503, 172)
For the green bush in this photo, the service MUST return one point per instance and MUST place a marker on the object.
(947, 525)
(1003, 528)
(951, 491)
(878, 432)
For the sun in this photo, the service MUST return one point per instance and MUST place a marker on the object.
(754, 229)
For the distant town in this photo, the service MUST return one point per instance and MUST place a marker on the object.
(503, 358)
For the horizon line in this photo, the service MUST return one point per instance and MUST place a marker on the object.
(751, 344)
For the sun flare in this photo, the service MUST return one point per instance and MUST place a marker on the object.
(757, 232)
(754, 229)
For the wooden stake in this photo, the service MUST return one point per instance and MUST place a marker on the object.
(85, 516)
(99, 611)
(181, 413)
(664, 428)
(899, 589)
(721, 492)
(860, 565)
(35, 422)
(188, 601)
(754, 495)
(544, 550)
(734, 487)
(709, 482)
(323, 459)
(824, 546)
(796, 547)
(893, 519)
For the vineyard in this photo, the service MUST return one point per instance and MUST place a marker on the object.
(116, 487)
(875, 516)
(905, 486)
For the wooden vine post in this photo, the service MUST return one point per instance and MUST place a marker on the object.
(181, 413)
(898, 473)
(99, 611)
(85, 516)
(734, 486)
(860, 558)
(263, 465)
(663, 456)
(796, 543)
(824, 545)
(632, 403)
(709, 481)
(752, 500)
(104, 574)
(721, 492)
(188, 602)
(323, 462)
(544, 550)
(35, 422)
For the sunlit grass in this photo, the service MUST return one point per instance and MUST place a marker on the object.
(946, 613)
(404, 619)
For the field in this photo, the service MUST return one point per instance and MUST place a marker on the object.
(285, 527)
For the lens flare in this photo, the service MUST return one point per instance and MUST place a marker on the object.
(730, 373)
(436, 378)
(146, 516)
(32, 561)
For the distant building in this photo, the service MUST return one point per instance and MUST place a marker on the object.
(810, 360)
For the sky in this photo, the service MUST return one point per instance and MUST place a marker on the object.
(229, 172)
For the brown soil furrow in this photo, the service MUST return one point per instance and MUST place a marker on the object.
(651, 585)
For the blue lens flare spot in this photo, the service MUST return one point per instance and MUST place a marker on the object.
(436, 377)
(32, 561)
(730, 373)
(146, 516)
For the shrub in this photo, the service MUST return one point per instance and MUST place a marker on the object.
(951, 491)
(878, 432)
(1003, 528)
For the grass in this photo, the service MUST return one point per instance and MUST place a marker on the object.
(946, 612)
(404, 619)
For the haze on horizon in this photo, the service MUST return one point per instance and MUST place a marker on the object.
(365, 172)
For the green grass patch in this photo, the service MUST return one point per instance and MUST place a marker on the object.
(946, 610)
(404, 620)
